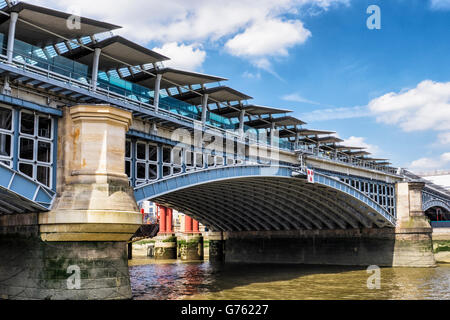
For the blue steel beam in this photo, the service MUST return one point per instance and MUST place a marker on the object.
(24, 192)
(357, 200)
(30, 105)
(435, 203)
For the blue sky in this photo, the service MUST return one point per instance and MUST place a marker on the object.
(386, 89)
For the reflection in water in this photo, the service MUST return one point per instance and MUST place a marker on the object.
(170, 280)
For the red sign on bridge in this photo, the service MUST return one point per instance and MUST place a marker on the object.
(310, 176)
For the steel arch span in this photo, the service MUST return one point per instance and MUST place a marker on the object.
(436, 203)
(259, 198)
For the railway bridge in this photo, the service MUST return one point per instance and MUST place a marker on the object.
(92, 125)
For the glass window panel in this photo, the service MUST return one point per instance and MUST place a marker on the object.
(177, 156)
(219, 161)
(44, 152)
(189, 158)
(26, 169)
(140, 151)
(167, 171)
(5, 119)
(27, 123)
(153, 152)
(140, 170)
(26, 149)
(43, 175)
(153, 172)
(128, 168)
(45, 127)
(211, 160)
(128, 149)
(6, 163)
(5, 145)
(166, 155)
(199, 160)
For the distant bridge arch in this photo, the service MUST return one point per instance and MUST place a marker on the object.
(258, 198)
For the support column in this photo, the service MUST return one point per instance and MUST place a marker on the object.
(95, 64)
(413, 235)
(157, 91)
(241, 122)
(166, 242)
(204, 108)
(195, 226)
(187, 224)
(78, 250)
(169, 220)
(162, 220)
(11, 35)
(297, 140)
(216, 246)
(6, 90)
(272, 134)
(191, 243)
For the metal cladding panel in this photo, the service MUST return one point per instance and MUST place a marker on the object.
(23, 186)
(23, 194)
(5, 177)
(43, 197)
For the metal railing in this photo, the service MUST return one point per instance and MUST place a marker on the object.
(33, 59)
(339, 157)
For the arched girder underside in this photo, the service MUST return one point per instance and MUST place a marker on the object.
(436, 203)
(258, 198)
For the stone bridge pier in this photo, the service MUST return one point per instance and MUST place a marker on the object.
(77, 250)
(407, 245)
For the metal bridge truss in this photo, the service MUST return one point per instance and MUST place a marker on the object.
(20, 194)
(431, 199)
(257, 198)
(381, 192)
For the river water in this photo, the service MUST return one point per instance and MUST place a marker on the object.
(172, 280)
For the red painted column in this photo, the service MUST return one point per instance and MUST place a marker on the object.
(187, 224)
(169, 220)
(195, 226)
(162, 219)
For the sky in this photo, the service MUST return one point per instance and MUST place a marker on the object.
(386, 88)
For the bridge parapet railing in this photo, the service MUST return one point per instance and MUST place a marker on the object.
(33, 59)
(36, 60)
(313, 151)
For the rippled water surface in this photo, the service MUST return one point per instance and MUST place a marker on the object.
(170, 280)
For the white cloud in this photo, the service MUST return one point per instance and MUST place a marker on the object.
(360, 142)
(427, 164)
(444, 138)
(335, 114)
(250, 75)
(247, 27)
(423, 108)
(426, 107)
(295, 97)
(189, 57)
(268, 38)
(181, 20)
(440, 4)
